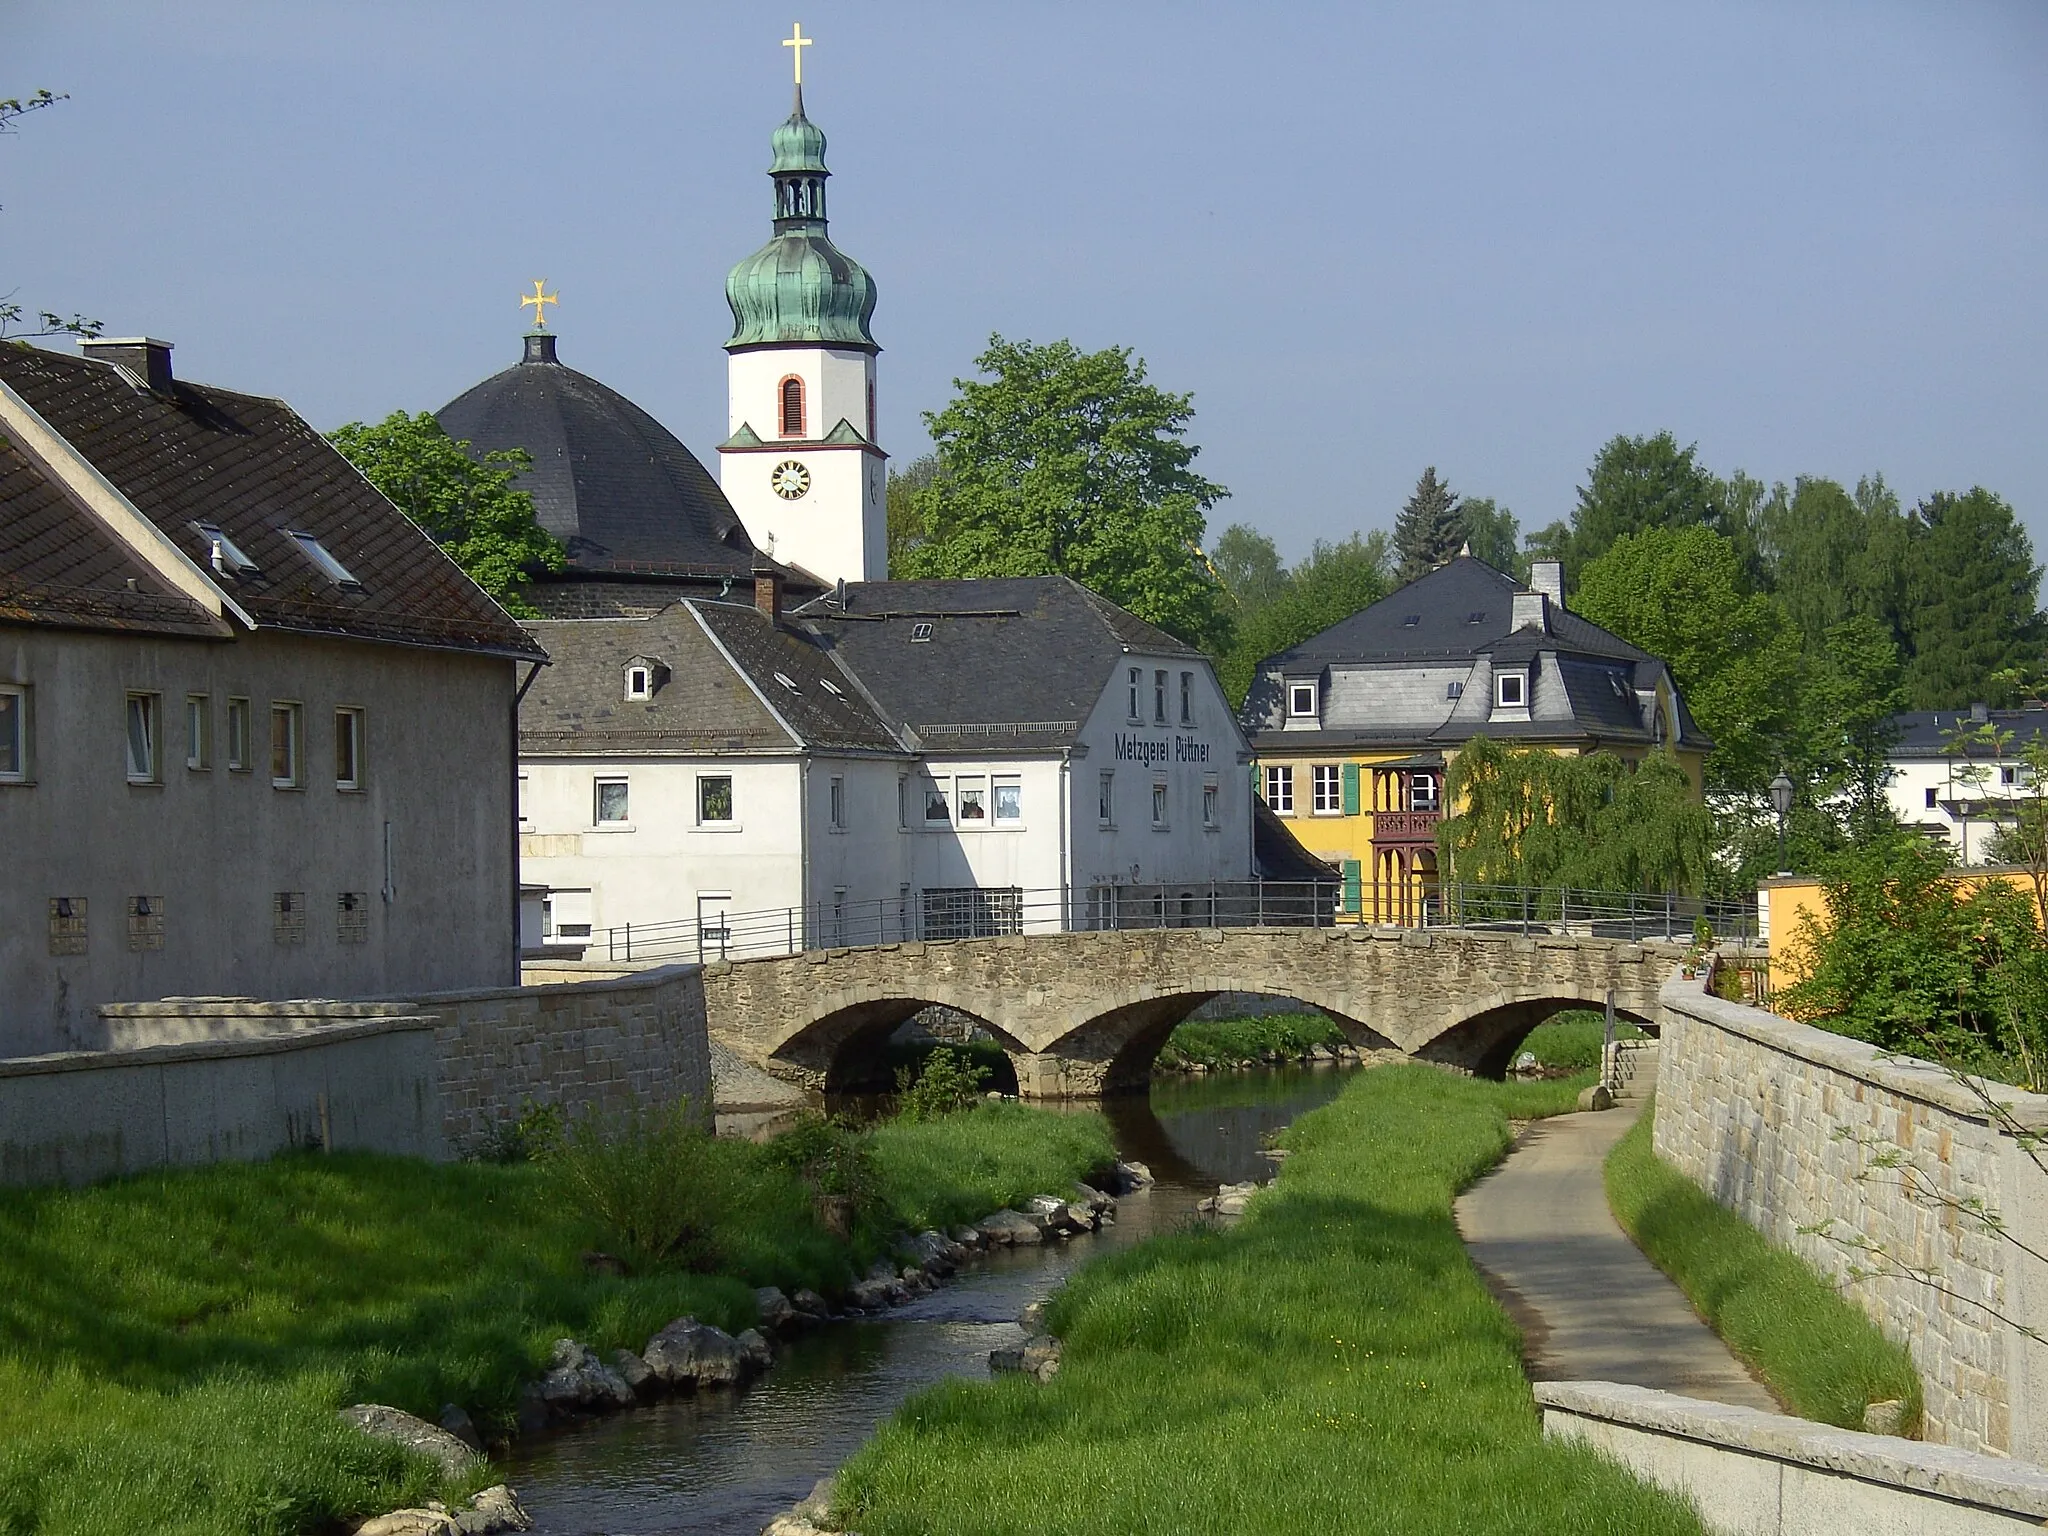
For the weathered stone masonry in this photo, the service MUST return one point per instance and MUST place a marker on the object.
(1084, 1013)
(1781, 1123)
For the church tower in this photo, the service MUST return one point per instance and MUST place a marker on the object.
(801, 467)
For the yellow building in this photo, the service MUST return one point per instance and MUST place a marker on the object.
(1353, 729)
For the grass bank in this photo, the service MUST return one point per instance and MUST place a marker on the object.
(173, 1346)
(1818, 1350)
(1572, 1039)
(1332, 1363)
(1236, 1042)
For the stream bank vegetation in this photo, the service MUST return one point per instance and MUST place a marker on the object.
(174, 1345)
(1332, 1362)
(1814, 1348)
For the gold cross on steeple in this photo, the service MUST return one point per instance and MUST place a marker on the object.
(536, 299)
(799, 42)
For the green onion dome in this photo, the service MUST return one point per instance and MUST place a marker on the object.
(800, 286)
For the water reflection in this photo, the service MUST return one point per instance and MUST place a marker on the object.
(729, 1462)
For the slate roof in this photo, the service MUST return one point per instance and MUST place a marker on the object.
(613, 484)
(254, 468)
(60, 566)
(1278, 853)
(1924, 733)
(717, 655)
(1011, 662)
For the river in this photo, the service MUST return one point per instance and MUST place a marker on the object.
(729, 1462)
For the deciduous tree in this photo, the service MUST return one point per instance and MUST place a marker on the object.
(1494, 536)
(1333, 582)
(1634, 483)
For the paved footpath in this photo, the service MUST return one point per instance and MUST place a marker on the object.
(1590, 1306)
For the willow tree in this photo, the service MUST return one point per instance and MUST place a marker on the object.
(1531, 817)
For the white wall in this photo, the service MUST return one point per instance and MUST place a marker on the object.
(1912, 778)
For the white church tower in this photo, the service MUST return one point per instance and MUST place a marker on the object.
(801, 466)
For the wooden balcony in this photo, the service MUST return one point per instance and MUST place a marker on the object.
(1405, 826)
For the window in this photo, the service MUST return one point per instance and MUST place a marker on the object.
(973, 800)
(1159, 804)
(639, 683)
(838, 807)
(1328, 789)
(831, 687)
(714, 799)
(938, 805)
(198, 732)
(238, 736)
(972, 912)
(288, 917)
(1009, 795)
(792, 390)
(519, 802)
(788, 682)
(13, 735)
(902, 800)
(1212, 798)
(921, 632)
(285, 742)
(1932, 801)
(1105, 799)
(325, 563)
(348, 749)
(1280, 790)
(565, 917)
(1454, 690)
(1476, 616)
(224, 555)
(1159, 696)
(2008, 775)
(1510, 691)
(145, 923)
(612, 803)
(838, 933)
(352, 917)
(1412, 621)
(1422, 792)
(1187, 698)
(142, 738)
(1136, 681)
(1301, 700)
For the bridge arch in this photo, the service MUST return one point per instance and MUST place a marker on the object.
(841, 1049)
(1483, 1036)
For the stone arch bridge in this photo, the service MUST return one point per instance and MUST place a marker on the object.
(1083, 1014)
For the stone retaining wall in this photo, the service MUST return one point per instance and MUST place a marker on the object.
(1763, 1474)
(1790, 1126)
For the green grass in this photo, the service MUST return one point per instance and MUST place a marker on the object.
(173, 1346)
(1573, 1039)
(1232, 1042)
(1817, 1349)
(1331, 1363)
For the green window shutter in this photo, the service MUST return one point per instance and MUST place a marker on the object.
(1258, 779)
(1353, 882)
(1351, 789)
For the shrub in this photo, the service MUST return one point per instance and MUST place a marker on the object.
(949, 1083)
(647, 1178)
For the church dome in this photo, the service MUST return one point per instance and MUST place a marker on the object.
(612, 483)
(800, 286)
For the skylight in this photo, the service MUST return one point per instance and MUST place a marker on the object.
(1411, 621)
(224, 554)
(830, 687)
(324, 562)
(786, 681)
(921, 631)
(1476, 616)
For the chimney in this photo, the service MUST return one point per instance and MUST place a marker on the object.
(768, 592)
(1547, 577)
(1528, 609)
(144, 356)
(1980, 713)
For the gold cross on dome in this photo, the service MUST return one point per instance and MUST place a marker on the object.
(537, 299)
(799, 42)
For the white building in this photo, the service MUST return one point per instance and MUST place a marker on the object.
(1960, 796)
(917, 759)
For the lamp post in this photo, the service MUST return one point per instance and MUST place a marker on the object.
(1781, 801)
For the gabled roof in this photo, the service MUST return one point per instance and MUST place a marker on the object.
(1007, 661)
(196, 455)
(1930, 733)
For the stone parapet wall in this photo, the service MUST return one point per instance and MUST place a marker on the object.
(595, 1045)
(1792, 1127)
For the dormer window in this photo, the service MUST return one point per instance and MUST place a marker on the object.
(644, 677)
(1412, 621)
(325, 563)
(1476, 616)
(224, 555)
(1511, 690)
(1301, 701)
(920, 632)
(1454, 689)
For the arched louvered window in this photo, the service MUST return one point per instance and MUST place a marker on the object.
(792, 407)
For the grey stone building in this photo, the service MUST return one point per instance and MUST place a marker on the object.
(256, 729)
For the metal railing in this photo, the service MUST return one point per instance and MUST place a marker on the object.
(971, 912)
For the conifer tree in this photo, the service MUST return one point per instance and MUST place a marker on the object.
(1429, 530)
(1975, 594)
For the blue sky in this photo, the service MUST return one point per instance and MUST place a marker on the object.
(1810, 237)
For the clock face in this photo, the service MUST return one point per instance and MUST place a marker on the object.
(790, 479)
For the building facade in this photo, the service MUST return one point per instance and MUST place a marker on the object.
(1355, 728)
(256, 730)
(1948, 783)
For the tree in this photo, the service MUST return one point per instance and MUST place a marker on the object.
(467, 504)
(1634, 483)
(1428, 530)
(1678, 593)
(1849, 701)
(1068, 462)
(12, 313)
(1975, 590)
(906, 527)
(1333, 582)
(1248, 564)
(1831, 555)
(1494, 536)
